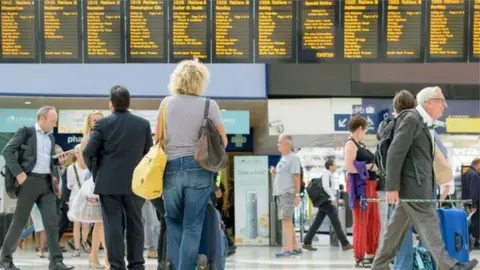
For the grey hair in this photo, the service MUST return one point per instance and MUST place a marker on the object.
(288, 139)
(43, 111)
(427, 93)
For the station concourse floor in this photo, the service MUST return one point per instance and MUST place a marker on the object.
(246, 258)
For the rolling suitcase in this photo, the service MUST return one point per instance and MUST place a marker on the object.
(214, 244)
(454, 230)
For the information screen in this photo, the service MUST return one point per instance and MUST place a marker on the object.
(104, 38)
(446, 30)
(318, 24)
(475, 31)
(61, 27)
(233, 31)
(18, 35)
(361, 29)
(403, 30)
(275, 31)
(189, 30)
(146, 31)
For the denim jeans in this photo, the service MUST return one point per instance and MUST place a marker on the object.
(187, 190)
(404, 259)
(28, 231)
(151, 225)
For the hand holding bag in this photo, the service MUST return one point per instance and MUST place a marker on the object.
(148, 175)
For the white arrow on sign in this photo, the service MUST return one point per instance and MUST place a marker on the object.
(342, 123)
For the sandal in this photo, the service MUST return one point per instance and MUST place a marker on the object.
(86, 247)
(363, 263)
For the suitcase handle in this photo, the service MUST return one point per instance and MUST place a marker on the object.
(459, 242)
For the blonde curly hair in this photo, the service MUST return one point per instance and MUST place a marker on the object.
(190, 77)
(86, 125)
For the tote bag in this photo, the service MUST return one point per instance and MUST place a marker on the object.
(148, 175)
(441, 168)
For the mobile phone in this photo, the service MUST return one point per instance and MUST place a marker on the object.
(66, 152)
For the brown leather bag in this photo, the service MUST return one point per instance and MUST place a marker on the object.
(441, 167)
(210, 152)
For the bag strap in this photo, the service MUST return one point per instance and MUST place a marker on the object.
(76, 175)
(161, 125)
(207, 108)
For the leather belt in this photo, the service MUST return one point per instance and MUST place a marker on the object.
(39, 175)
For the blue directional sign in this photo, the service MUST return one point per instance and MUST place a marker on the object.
(341, 122)
(374, 120)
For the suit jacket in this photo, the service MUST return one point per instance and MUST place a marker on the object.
(410, 158)
(29, 158)
(472, 180)
(118, 141)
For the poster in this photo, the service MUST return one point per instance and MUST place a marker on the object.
(252, 214)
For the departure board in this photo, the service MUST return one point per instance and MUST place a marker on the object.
(318, 26)
(190, 35)
(403, 30)
(232, 31)
(361, 27)
(446, 30)
(146, 31)
(275, 31)
(104, 38)
(475, 31)
(61, 27)
(18, 35)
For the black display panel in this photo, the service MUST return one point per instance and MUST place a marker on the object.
(62, 31)
(189, 30)
(232, 31)
(18, 31)
(104, 31)
(318, 30)
(147, 31)
(474, 31)
(403, 28)
(275, 31)
(447, 30)
(361, 22)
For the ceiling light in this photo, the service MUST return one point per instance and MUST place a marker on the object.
(223, 110)
(28, 102)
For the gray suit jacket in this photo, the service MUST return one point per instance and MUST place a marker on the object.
(29, 158)
(410, 158)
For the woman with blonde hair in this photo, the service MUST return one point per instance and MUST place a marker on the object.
(187, 186)
(98, 235)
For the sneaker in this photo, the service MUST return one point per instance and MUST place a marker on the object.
(347, 247)
(41, 254)
(309, 247)
(202, 262)
(297, 251)
(152, 254)
(284, 254)
(76, 253)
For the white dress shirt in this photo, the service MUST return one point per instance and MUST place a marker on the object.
(44, 152)
(328, 182)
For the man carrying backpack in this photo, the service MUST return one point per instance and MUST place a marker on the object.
(409, 175)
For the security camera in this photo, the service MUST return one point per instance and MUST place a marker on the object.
(277, 126)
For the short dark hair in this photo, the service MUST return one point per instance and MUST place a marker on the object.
(43, 111)
(120, 98)
(357, 122)
(329, 163)
(475, 162)
(404, 100)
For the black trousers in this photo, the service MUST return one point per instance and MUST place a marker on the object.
(63, 222)
(324, 210)
(475, 226)
(161, 247)
(123, 214)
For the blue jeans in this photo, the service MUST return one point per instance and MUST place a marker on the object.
(151, 225)
(187, 190)
(28, 231)
(404, 259)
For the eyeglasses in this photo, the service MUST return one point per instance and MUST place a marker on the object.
(443, 100)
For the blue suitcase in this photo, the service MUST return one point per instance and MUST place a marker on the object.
(214, 242)
(454, 230)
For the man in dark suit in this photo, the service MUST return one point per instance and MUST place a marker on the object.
(410, 176)
(36, 173)
(472, 182)
(118, 142)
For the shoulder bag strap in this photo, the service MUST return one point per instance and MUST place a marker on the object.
(161, 125)
(207, 108)
(76, 175)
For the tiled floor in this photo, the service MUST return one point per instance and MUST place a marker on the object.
(247, 258)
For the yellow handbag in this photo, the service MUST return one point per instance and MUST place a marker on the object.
(148, 175)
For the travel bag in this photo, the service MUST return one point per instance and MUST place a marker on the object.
(455, 234)
(214, 243)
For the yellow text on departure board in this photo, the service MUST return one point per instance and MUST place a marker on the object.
(361, 29)
(189, 28)
(61, 28)
(318, 27)
(275, 29)
(447, 28)
(147, 28)
(404, 26)
(476, 29)
(232, 28)
(18, 28)
(103, 28)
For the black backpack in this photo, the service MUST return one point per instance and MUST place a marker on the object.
(11, 183)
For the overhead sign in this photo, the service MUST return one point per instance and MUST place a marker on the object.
(341, 122)
(374, 120)
(236, 122)
(68, 141)
(240, 143)
(463, 125)
(13, 119)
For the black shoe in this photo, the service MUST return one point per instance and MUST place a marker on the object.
(8, 266)
(59, 266)
(309, 247)
(466, 266)
(63, 249)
